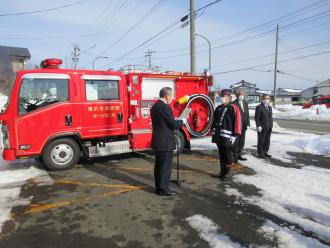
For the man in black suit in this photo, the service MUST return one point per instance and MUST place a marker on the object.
(163, 140)
(245, 120)
(264, 123)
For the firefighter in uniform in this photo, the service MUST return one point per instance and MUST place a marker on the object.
(226, 126)
(163, 140)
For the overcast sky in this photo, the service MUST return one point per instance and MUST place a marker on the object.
(96, 26)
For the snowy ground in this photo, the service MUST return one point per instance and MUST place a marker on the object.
(294, 112)
(299, 194)
(12, 177)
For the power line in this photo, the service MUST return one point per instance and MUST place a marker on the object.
(268, 23)
(296, 76)
(150, 11)
(159, 33)
(266, 33)
(43, 10)
(282, 61)
(270, 55)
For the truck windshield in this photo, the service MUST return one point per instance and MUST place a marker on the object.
(36, 93)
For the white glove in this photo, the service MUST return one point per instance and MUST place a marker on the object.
(259, 129)
(184, 120)
(232, 139)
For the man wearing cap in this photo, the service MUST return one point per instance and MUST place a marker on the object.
(245, 121)
(225, 128)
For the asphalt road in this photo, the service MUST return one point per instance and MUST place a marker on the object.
(318, 127)
(111, 203)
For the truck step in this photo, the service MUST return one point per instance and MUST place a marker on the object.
(110, 148)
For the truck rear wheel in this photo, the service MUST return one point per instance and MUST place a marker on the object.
(180, 142)
(61, 154)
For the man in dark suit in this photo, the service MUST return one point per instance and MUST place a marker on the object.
(264, 123)
(245, 120)
(163, 140)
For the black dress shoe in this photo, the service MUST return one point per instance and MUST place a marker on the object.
(268, 155)
(216, 175)
(165, 193)
(241, 158)
(261, 156)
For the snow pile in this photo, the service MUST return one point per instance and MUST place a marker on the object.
(317, 145)
(11, 179)
(297, 196)
(315, 112)
(286, 237)
(3, 100)
(208, 231)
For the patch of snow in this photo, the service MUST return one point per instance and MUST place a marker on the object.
(287, 238)
(291, 194)
(315, 112)
(3, 100)
(299, 196)
(208, 231)
(317, 145)
(11, 179)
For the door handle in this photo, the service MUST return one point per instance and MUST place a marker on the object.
(120, 117)
(68, 120)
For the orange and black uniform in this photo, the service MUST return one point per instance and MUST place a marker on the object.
(226, 126)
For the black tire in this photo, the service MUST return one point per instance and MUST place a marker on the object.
(180, 140)
(68, 151)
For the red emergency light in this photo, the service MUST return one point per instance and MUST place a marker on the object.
(51, 63)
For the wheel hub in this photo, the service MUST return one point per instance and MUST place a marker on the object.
(62, 154)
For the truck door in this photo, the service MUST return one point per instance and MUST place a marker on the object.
(44, 108)
(104, 106)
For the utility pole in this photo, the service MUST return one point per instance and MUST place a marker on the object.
(75, 55)
(192, 37)
(148, 55)
(275, 69)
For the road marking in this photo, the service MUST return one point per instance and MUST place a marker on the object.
(103, 185)
(36, 208)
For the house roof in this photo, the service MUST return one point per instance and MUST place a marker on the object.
(265, 92)
(243, 83)
(15, 51)
(6, 52)
(292, 90)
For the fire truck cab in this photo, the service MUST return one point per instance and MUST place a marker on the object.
(60, 114)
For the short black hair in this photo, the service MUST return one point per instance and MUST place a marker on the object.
(165, 92)
(264, 96)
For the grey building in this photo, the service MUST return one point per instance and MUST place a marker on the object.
(12, 59)
(288, 95)
(251, 90)
(319, 89)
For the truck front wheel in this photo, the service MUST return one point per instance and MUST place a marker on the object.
(61, 154)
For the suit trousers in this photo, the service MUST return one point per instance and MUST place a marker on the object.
(163, 169)
(239, 144)
(264, 141)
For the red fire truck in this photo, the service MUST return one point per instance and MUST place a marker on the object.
(58, 114)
